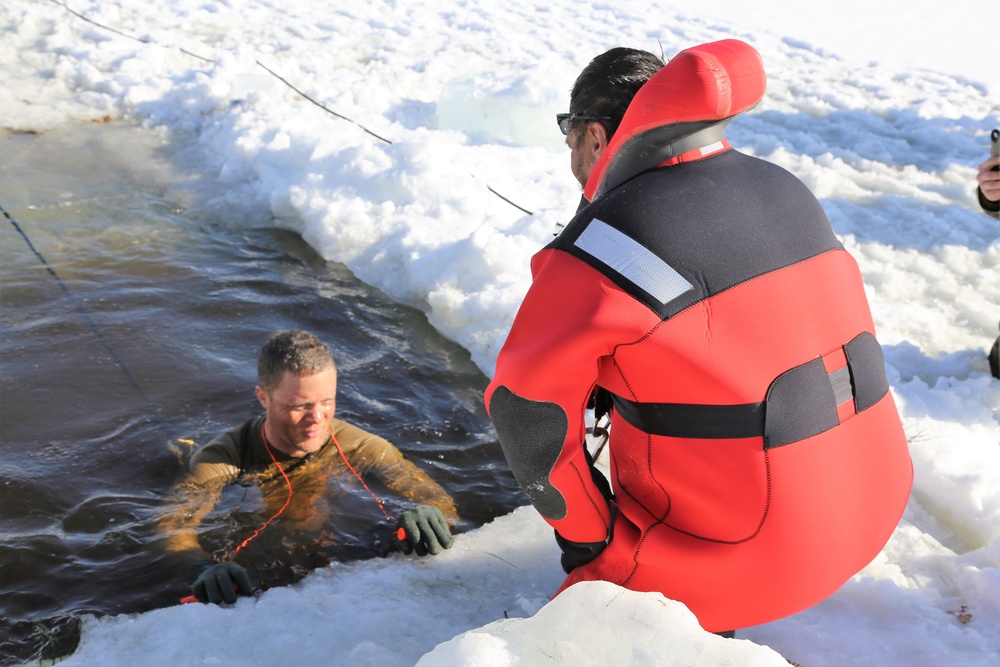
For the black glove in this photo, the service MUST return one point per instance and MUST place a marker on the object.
(424, 530)
(575, 554)
(222, 581)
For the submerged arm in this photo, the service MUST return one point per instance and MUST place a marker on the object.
(189, 504)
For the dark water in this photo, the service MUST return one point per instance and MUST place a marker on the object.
(136, 339)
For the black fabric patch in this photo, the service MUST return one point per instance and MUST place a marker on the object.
(800, 404)
(687, 420)
(867, 363)
(531, 434)
(718, 222)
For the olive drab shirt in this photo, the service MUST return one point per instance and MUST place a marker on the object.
(240, 453)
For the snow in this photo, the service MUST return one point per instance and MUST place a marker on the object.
(882, 109)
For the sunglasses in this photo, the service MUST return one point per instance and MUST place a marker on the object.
(564, 119)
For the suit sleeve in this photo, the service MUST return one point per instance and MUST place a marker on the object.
(571, 317)
(369, 452)
(211, 468)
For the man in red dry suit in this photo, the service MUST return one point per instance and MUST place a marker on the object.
(756, 457)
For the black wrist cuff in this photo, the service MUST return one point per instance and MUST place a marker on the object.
(987, 205)
(576, 554)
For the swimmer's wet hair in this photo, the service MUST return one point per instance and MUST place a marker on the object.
(294, 351)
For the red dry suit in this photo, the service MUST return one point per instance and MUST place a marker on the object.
(757, 459)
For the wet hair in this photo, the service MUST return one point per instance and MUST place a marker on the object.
(294, 351)
(608, 83)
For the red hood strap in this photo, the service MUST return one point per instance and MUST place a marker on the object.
(683, 107)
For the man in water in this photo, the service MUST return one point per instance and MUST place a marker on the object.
(756, 457)
(295, 449)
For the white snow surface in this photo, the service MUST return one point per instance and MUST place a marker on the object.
(883, 109)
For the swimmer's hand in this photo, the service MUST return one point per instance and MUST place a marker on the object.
(423, 530)
(221, 582)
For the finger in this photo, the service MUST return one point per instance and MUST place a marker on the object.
(420, 549)
(243, 582)
(438, 528)
(198, 590)
(212, 590)
(443, 533)
(225, 584)
(430, 539)
(443, 530)
(990, 189)
(418, 536)
(987, 177)
(410, 534)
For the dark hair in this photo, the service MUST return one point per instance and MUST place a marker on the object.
(607, 85)
(297, 352)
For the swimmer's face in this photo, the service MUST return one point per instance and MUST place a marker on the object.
(299, 411)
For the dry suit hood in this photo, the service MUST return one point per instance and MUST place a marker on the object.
(684, 106)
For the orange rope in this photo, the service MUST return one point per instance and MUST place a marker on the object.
(401, 534)
(288, 500)
(351, 468)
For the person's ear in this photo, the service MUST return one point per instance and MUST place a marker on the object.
(261, 396)
(595, 142)
(598, 136)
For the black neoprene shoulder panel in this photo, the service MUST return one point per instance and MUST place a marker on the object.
(717, 222)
